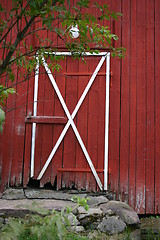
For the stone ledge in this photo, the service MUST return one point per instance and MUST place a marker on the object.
(112, 217)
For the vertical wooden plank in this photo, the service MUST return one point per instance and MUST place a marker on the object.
(141, 107)
(28, 135)
(82, 118)
(157, 107)
(47, 135)
(8, 141)
(150, 108)
(114, 120)
(70, 138)
(108, 23)
(48, 110)
(38, 158)
(125, 75)
(19, 129)
(54, 98)
(101, 121)
(58, 111)
(92, 125)
(9, 125)
(39, 127)
(28, 127)
(92, 145)
(19, 122)
(101, 85)
(1, 157)
(2, 136)
(133, 106)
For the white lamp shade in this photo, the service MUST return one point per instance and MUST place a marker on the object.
(74, 31)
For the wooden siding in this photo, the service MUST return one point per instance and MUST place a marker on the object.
(134, 127)
(134, 130)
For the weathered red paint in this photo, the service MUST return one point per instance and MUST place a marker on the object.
(124, 98)
(82, 126)
(114, 124)
(157, 109)
(133, 107)
(46, 119)
(134, 129)
(150, 108)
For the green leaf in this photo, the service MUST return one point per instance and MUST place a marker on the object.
(60, 229)
(1, 128)
(83, 3)
(11, 90)
(2, 119)
(68, 210)
(68, 1)
(115, 37)
(31, 48)
(61, 16)
(58, 8)
(1, 8)
(114, 15)
(11, 76)
(113, 54)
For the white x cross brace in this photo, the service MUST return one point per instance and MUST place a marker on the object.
(71, 117)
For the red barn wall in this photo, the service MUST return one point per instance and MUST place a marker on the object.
(134, 129)
(134, 143)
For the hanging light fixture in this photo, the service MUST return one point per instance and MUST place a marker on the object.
(74, 31)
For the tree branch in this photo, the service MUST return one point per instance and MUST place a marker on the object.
(17, 19)
(19, 38)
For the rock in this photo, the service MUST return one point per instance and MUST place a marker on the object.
(50, 194)
(77, 229)
(110, 217)
(96, 201)
(97, 235)
(110, 196)
(112, 225)
(90, 216)
(81, 210)
(13, 194)
(15, 213)
(93, 235)
(73, 221)
(46, 194)
(121, 209)
(109, 212)
(19, 208)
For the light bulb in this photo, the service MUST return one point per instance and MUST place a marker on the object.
(74, 31)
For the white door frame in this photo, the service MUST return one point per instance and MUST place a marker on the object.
(104, 56)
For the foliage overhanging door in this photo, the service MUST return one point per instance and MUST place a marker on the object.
(102, 59)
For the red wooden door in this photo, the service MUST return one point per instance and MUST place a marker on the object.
(68, 125)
